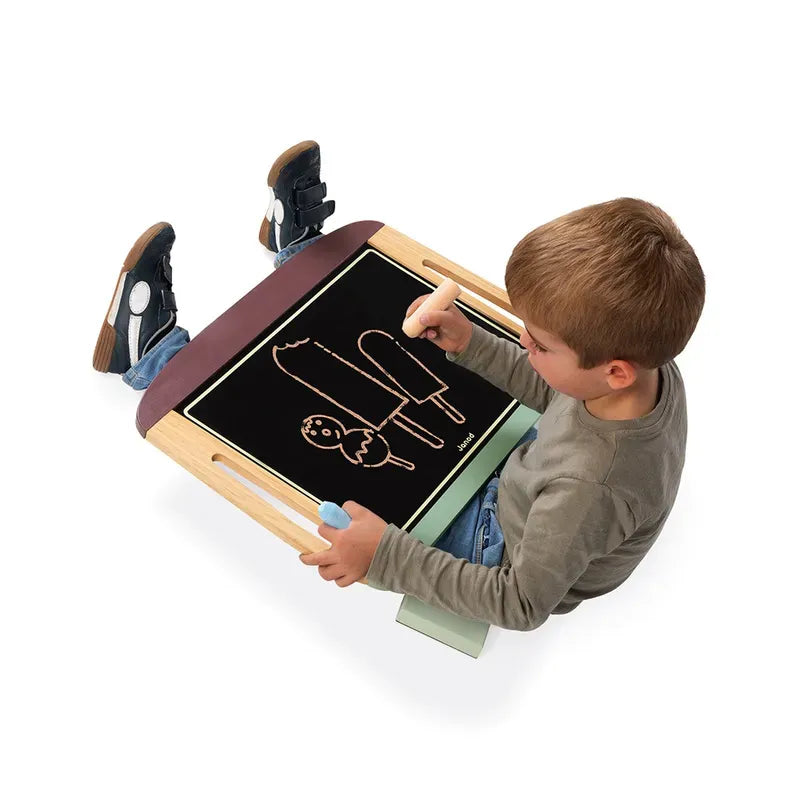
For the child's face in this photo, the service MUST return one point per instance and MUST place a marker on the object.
(558, 365)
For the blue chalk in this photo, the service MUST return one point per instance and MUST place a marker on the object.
(334, 515)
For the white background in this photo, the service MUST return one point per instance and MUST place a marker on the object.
(154, 641)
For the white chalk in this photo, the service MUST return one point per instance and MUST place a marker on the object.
(443, 295)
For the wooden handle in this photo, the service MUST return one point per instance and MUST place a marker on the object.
(197, 451)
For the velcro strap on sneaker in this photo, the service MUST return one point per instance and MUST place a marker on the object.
(310, 196)
(168, 300)
(166, 268)
(308, 217)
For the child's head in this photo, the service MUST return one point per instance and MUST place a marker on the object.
(605, 292)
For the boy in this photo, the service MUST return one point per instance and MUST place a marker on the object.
(609, 295)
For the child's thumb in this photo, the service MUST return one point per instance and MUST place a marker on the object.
(433, 319)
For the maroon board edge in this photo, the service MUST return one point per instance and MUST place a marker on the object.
(242, 322)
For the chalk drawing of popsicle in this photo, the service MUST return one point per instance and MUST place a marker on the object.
(345, 385)
(360, 446)
(406, 371)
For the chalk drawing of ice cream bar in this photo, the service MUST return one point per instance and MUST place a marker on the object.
(406, 371)
(361, 446)
(348, 387)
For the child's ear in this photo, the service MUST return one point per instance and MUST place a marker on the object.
(621, 374)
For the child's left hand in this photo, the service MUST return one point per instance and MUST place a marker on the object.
(352, 548)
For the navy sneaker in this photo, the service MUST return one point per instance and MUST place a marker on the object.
(296, 194)
(142, 310)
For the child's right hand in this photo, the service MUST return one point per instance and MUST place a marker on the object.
(448, 329)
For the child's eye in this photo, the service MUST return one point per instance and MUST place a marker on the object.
(537, 348)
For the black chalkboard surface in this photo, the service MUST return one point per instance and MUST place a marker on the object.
(335, 400)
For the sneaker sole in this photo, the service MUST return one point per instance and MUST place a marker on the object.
(263, 234)
(104, 348)
(280, 162)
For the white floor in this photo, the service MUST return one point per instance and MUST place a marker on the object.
(154, 641)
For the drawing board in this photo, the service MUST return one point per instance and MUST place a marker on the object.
(337, 402)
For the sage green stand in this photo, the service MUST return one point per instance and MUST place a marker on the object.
(466, 635)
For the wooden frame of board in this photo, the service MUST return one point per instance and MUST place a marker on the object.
(201, 453)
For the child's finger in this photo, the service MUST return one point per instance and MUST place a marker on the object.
(352, 508)
(329, 532)
(433, 319)
(333, 572)
(320, 558)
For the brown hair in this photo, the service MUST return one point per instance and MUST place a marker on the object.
(612, 280)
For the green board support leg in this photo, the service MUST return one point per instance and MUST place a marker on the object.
(466, 635)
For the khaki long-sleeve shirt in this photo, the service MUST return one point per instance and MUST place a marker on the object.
(578, 508)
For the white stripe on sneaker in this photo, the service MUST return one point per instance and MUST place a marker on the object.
(170, 322)
(134, 326)
(271, 202)
(114, 310)
(305, 231)
(277, 221)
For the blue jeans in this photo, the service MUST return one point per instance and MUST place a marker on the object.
(475, 534)
(142, 374)
(293, 250)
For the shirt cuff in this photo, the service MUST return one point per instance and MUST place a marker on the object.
(376, 574)
(478, 341)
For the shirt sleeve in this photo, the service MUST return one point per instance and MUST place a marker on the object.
(570, 523)
(505, 365)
